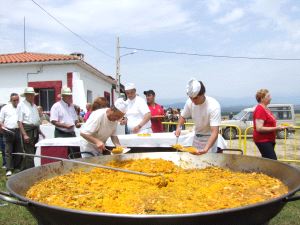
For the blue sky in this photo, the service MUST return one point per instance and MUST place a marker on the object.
(262, 28)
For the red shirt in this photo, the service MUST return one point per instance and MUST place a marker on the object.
(261, 113)
(156, 124)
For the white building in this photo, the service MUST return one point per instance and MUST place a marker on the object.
(48, 73)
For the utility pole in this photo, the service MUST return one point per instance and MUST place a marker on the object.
(118, 59)
(118, 76)
(24, 33)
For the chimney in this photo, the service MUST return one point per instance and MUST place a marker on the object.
(78, 55)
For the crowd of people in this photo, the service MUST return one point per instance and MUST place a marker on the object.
(20, 122)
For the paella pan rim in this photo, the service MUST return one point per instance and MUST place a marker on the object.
(206, 213)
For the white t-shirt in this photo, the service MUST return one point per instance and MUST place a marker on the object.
(63, 113)
(100, 127)
(136, 110)
(9, 116)
(204, 116)
(28, 113)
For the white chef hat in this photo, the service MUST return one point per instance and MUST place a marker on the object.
(193, 88)
(129, 86)
(121, 105)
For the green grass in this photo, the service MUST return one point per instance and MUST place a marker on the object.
(12, 214)
(18, 215)
(298, 119)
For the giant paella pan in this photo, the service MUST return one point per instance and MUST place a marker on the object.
(253, 214)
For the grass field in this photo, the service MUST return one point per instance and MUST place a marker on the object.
(17, 215)
(298, 119)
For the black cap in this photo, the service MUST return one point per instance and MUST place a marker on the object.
(150, 92)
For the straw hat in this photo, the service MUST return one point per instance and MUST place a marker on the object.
(29, 90)
(66, 91)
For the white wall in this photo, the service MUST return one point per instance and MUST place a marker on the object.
(14, 78)
(93, 83)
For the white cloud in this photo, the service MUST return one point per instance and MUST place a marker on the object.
(232, 16)
(50, 46)
(179, 25)
(277, 48)
(295, 9)
(275, 19)
(96, 21)
(267, 8)
(93, 16)
(214, 6)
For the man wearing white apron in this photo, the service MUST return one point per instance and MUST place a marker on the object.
(205, 111)
(138, 113)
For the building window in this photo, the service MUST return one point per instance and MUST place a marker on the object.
(89, 95)
(46, 98)
(47, 85)
(107, 96)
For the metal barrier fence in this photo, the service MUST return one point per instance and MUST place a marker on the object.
(232, 128)
(171, 126)
(188, 126)
(287, 149)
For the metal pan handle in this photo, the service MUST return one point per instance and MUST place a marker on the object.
(5, 196)
(232, 150)
(292, 197)
(74, 155)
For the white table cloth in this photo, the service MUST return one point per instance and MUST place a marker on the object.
(131, 140)
(154, 140)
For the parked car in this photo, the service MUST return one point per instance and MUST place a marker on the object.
(284, 113)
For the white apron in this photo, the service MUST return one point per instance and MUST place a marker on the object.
(200, 141)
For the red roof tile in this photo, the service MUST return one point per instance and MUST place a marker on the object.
(28, 57)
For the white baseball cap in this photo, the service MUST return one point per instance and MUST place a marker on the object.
(129, 86)
(121, 105)
(193, 88)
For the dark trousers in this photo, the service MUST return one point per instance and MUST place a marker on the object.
(12, 145)
(2, 147)
(267, 149)
(29, 148)
(63, 134)
(74, 152)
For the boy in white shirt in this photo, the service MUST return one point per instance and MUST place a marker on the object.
(205, 111)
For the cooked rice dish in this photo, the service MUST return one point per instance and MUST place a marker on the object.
(188, 191)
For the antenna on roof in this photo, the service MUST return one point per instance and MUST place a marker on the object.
(24, 35)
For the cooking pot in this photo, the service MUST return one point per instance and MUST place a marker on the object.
(253, 214)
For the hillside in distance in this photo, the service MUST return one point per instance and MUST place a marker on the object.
(232, 104)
